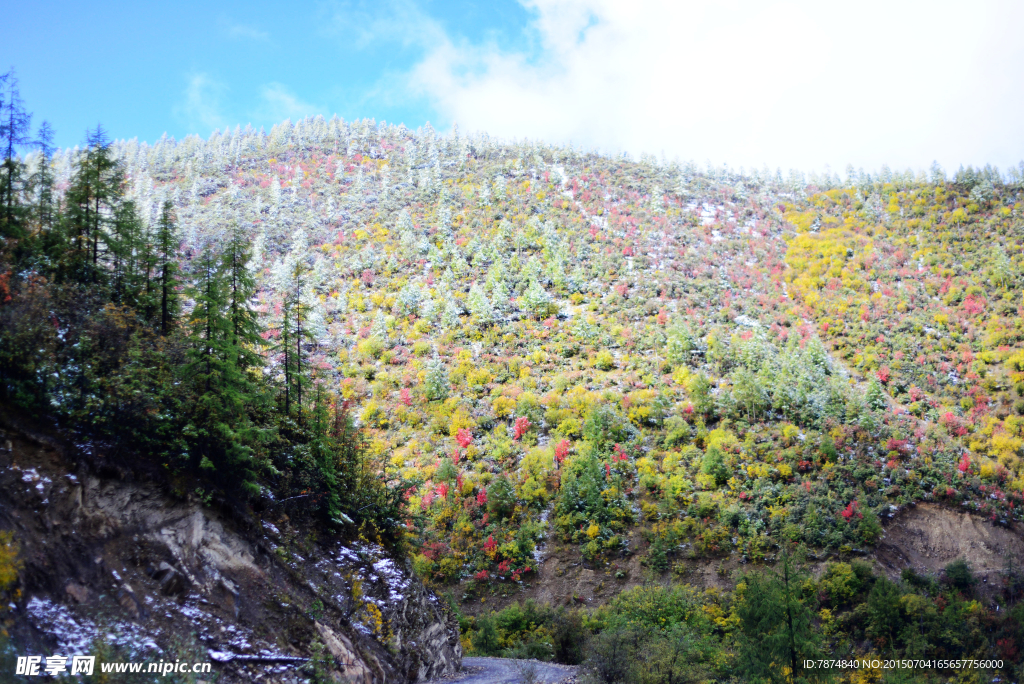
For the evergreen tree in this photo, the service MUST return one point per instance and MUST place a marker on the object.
(450, 315)
(14, 133)
(294, 335)
(165, 254)
(120, 241)
(435, 384)
(1002, 268)
(245, 328)
(874, 395)
(221, 429)
(480, 306)
(379, 329)
(776, 631)
(91, 199)
(536, 301)
(679, 344)
(292, 276)
(42, 182)
(747, 392)
(700, 393)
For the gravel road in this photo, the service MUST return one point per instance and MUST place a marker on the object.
(508, 671)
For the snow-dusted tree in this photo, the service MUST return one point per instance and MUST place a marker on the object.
(680, 343)
(450, 316)
(499, 295)
(444, 215)
(1003, 272)
(816, 355)
(874, 395)
(379, 329)
(275, 195)
(406, 233)
(657, 200)
(435, 383)
(480, 306)
(385, 183)
(459, 265)
(535, 301)
(408, 301)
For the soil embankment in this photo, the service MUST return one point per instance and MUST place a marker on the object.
(154, 576)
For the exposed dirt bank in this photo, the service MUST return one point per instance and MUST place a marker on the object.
(125, 564)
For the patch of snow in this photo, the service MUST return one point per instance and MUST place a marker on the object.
(79, 635)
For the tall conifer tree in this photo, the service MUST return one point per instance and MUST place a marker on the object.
(165, 249)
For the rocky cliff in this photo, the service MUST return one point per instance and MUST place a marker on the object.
(152, 576)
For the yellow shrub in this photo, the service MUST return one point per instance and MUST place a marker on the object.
(503, 407)
(10, 564)
(721, 438)
(646, 466)
(757, 470)
(370, 347)
(681, 376)
(988, 470)
(373, 415)
(789, 433)
(478, 377)
(348, 388)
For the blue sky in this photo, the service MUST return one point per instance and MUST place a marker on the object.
(797, 83)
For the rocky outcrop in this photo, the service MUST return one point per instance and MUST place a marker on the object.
(252, 601)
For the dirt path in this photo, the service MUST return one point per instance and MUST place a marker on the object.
(508, 671)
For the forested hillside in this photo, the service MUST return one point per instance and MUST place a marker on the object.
(535, 341)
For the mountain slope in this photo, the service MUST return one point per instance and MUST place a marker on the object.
(633, 357)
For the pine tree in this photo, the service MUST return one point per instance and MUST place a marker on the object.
(776, 632)
(435, 384)
(679, 344)
(297, 310)
(536, 301)
(43, 182)
(92, 197)
(14, 133)
(245, 328)
(223, 432)
(165, 249)
(407, 235)
(874, 395)
(379, 328)
(124, 242)
(292, 279)
(1002, 268)
(480, 306)
(450, 315)
(747, 392)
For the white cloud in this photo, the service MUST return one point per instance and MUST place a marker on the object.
(748, 82)
(277, 103)
(201, 104)
(396, 21)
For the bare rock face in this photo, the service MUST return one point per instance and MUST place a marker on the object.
(173, 572)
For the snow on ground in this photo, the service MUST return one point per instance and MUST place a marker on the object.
(77, 635)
